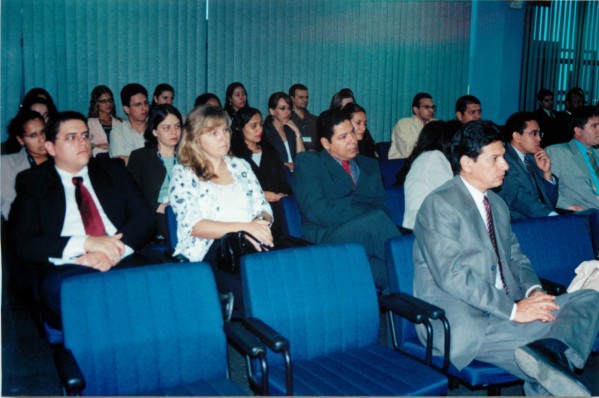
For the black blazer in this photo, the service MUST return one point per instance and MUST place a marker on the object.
(270, 172)
(38, 213)
(271, 136)
(147, 170)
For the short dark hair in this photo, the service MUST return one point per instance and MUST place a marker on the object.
(544, 93)
(352, 108)
(574, 91)
(54, 125)
(204, 98)
(156, 116)
(581, 115)
(161, 88)
(130, 90)
(463, 102)
(273, 100)
(470, 140)
(295, 87)
(418, 97)
(17, 124)
(328, 120)
(517, 122)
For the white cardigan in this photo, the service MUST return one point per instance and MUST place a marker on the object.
(194, 200)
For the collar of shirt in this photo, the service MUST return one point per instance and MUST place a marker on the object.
(478, 197)
(353, 167)
(548, 112)
(520, 154)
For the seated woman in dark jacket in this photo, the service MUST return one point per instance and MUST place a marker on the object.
(278, 130)
(151, 166)
(247, 143)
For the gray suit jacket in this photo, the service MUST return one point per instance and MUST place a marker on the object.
(575, 182)
(519, 190)
(455, 266)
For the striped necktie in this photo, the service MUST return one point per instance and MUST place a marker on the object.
(593, 162)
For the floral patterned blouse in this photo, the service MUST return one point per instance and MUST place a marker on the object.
(193, 200)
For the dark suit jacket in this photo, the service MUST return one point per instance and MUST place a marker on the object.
(147, 170)
(520, 191)
(562, 132)
(549, 127)
(455, 266)
(38, 213)
(325, 192)
(271, 135)
(270, 172)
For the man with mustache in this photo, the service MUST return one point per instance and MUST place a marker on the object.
(468, 261)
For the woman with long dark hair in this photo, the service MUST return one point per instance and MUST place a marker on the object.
(152, 166)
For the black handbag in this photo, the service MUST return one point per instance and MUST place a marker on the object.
(231, 247)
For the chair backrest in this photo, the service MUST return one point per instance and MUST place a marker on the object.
(555, 245)
(321, 297)
(396, 202)
(293, 218)
(382, 148)
(142, 329)
(389, 169)
(400, 268)
(171, 228)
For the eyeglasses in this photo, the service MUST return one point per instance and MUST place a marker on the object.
(72, 137)
(427, 107)
(536, 133)
(35, 136)
(103, 101)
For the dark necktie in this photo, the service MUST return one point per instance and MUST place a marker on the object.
(529, 167)
(593, 162)
(491, 232)
(345, 164)
(92, 221)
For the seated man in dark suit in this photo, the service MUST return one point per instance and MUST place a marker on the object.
(529, 189)
(468, 261)
(340, 194)
(74, 215)
(546, 117)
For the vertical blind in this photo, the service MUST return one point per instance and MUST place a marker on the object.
(561, 51)
(386, 51)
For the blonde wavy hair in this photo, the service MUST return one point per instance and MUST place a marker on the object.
(201, 120)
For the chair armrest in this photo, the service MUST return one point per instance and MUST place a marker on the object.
(267, 335)
(69, 372)
(410, 307)
(243, 340)
(553, 288)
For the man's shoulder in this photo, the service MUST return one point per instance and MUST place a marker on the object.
(308, 157)
(559, 149)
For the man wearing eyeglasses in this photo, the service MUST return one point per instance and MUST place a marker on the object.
(529, 187)
(74, 214)
(129, 135)
(406, 131)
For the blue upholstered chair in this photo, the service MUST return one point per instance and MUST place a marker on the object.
(555, 247)
(396, 202)
(322, 303)
(389, 170)
(292, 226)
(382, 148)
(400, 268)
(153, 330)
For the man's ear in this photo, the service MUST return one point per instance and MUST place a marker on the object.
(126, 109)
(50, 148)
(325, 143)
(466, 163)
(459, 115)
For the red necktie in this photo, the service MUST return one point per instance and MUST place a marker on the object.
(345, 164)
(491, 232)
(92, 221)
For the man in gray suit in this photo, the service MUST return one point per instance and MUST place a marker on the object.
(468, 261)
(529, 188)
(575, 162)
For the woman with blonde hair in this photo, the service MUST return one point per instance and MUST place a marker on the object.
(213, 193)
